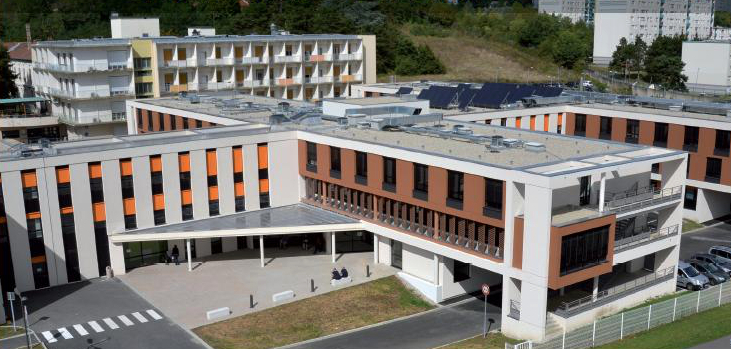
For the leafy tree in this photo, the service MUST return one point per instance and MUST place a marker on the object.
(629, 56)
(663, 63)
(568, 49)
(536, 30)
(722, 19)
(7, 77)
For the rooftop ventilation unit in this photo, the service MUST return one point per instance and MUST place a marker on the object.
(497, 142)
(511, 143)
(535, 146)
(364, 124)
(675, 108)
(194, 99)
(462, 130)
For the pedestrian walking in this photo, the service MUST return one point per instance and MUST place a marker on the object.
(176, 254)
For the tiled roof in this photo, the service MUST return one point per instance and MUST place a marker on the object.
(18, 51)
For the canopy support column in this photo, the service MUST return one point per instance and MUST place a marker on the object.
(332, 245)
(261, 249)
(190, 254)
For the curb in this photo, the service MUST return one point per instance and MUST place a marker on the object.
(314, 340)
(191, 333)
(466, 339)
(703, 227)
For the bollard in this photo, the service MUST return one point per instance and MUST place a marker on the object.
(110, 273)
(368, 271)
(312, 285)
(251, 301)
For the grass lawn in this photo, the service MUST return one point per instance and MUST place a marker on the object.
(689, 225)
(492, 341)
(6, 330)
(318, 316)
(685, 333)
(658, 299)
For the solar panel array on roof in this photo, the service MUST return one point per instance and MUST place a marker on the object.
(403, 90)
(442, 96)
(425, 93)
(493, 95)
(465, 97)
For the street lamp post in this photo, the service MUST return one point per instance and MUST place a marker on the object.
(25, 317)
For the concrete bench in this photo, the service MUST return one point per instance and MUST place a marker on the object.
(342, 281)
(281, 296)
(218, 313)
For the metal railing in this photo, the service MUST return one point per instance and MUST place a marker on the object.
(179, 63)
(514, 311)
(219, 61)
(568, 309)
(318, 58)
(349, 56)
(248, 60)
(618, 326)
(96, 119)
(647, 235)
(287, 59)
(83, 67)
(639, 198)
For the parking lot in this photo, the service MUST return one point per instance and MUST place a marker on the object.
(701, 240)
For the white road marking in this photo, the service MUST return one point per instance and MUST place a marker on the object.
(110, 323)
(65, 333)
(154, 314)
(81, 330)
(125, 320)
(95, 325)
(139, 317)
(49, 337)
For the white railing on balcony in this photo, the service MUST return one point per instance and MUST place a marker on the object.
(646, 235)
(349, 56)
(318, 58)
(83, 67)
(210, 86)
(349, 78)
(60, 92)
(91, 93)
(288, 81)
(219, 61)
(96, 119)
(287, 59)
(248, 60)
(319, 79)
(639, 198)
(182, 63)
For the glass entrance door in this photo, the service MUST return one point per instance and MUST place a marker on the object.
(396, 253)
(138, 254)
(353, 241)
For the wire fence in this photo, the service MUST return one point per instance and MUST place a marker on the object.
(619, 326)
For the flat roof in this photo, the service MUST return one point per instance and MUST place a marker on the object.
(295, 215)
(22, 100)
(371, 100)
(192, 39)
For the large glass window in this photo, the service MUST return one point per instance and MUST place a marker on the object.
(64, 195)
(71, 254)
(690, 139)
(389, 174)
(37, 252)
(335, 162)
(633, 131)
(159, 217)
(584, 250)
(661, 135)
(156, 180)
(30, 198)
(361, 167)
(130, 221)
(102, 246)
(421, 181)
(97, 190)
(455, 189)
(493, 198)
(585, 190)
(187, 211)
(691, 198)
(128, 188)
(605, 127)
(580, 125)
(723, 141)
(713, 170)
(311, 157)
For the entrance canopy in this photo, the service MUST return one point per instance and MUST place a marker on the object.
(291, 219)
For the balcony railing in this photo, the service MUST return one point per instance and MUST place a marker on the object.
(289, 81)
(318, 58)
(100, 118)
(83, 67)
(248, 60)
(318, 79)
(647, 235)
(181, 63)
(175, 88)
(514, 309)
(568, 309)
(287, 59)
(349, 56)
(219, 61)
(643, 197)
(349, 78)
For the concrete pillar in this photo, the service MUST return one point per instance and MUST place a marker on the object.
(332, 245)
(595, 288)
(602, 191)
(189, 254)
(375, 249)
(561, 291)
(116, 258)
(261, 249)
(250, 242)
(436, 269)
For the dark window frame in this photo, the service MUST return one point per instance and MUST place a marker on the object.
(311, 149)
(389, 174)
(493, 198)
(690, 203)
(714, 168)
(633, 131)
(690, 138)
(455, 189)
(660, 135)
(580, 125)
(583, 250)
(361, 168)
(605, 127)
(421, 182)
(722, 143)
(585, 190)
(335, 162)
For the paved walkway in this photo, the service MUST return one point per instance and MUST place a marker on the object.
(721, 343)
(427, 330)
(228, 280)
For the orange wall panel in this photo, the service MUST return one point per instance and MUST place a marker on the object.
(158, 202)
(186, 197)
(211, 166)
(63, 175)
(619, 129)
(263, 156)
(517, 122)
(95, 170)
(263, 185)
(518, 243)
(546, 122)
(67, 210)
(125, 167)
(239, 189)
(212, 193)
(156, 163)
(533, 122)
(29, 179)
(184, 162)
(238, 160)
(100, 213)
(129, 206)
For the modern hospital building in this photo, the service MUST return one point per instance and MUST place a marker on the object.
(540, 216)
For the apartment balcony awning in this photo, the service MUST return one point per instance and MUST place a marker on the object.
(292, 219)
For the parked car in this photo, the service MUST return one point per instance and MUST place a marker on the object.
(722, 252)
(713, 259)
(714, 274)
(690, 277)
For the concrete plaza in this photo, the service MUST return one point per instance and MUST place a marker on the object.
(229, 279)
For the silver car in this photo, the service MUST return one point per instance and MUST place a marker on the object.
(690, 277)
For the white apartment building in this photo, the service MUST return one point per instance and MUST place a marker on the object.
(648, 19)
(721, 33)
(708, 66)
(90, 79)
(21, 65)
(576, 10)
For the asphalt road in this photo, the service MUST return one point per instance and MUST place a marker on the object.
(721, 343)
(438, 327)
(103, 314)
(701, 240)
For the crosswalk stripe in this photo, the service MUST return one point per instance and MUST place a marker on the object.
(154, 314)
(125, 320)
(65, 333)
(81, 330)
(95, 325)
(110, 323)
(139, 317)
(49, 337)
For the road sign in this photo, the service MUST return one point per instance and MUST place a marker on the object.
(485, 289)
(11, 296)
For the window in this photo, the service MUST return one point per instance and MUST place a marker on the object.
(156, 179)
(240, 204)
(661, 135)
(68, 233)
(128, 190)
(159, 216)
(493, 198)
(149, 120)
(585, 190)
(213, 180)
(311, 157)
(580, 125)
(139, 118)
(605, 127)
(97, 190)
(130, 221)
(461, 271)
(361, 168)
(102, 246)
(213, 209)
(455, 189)
(198, 124)
(389, 174)
(185, 180)
(264, 200)
(185, 124)
(335, 162)
(187, 211)
(723, 141)
(142, 63)
(584, 250)
(173, 124)
(161, 121)
(503, 122)
(421, 181)
(655, 168)
(633, 131)
(30, 198)
(691, 198)
(64, 195)
(690, 140)
(713, 170)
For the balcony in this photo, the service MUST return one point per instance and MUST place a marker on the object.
(102, 66)
(287, 59)
(210, 86)
(288, 81)
(175, 88)
(349, 56)
(181, 63)
(640, 198)
(219, 61)
(349, 78)
(248, 60)
(319, 80)
(112, 117)
(647, 234)
(570, 214)
(318, 58)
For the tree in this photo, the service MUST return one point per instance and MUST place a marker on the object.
(629, 56)
(568, 49)
(536, 29)
(663, 63)
(722, 19)
(7, 76)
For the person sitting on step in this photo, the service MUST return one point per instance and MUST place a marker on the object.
(336, 274)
